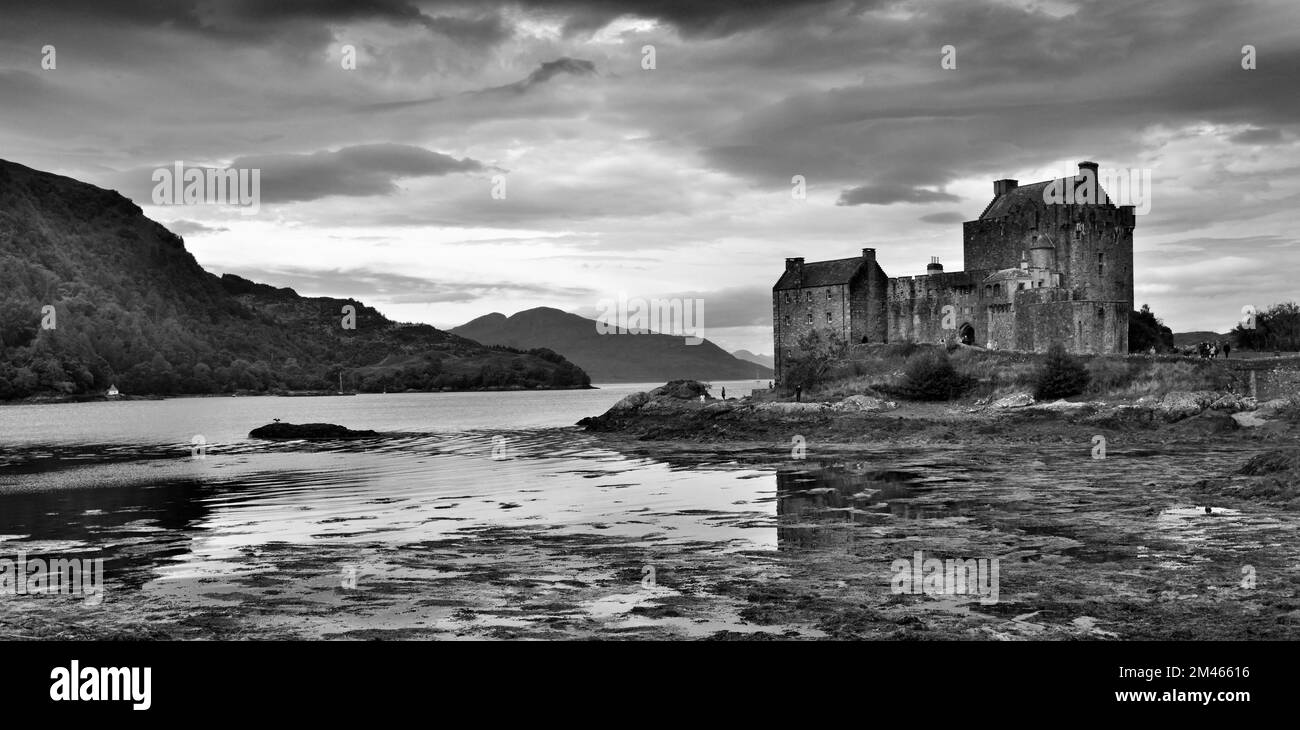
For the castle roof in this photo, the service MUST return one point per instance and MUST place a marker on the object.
(1032, 193)
(822, 273)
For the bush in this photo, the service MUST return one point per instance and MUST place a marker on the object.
(931, 376)
(1062, 375)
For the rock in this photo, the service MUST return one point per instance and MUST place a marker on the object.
(1227, 402)
(791, 409)
(1248, 419)
(669, 404)
(1271, 407)
(1271, 462)
(1209, 422)
(1064, 405)
(864, 403)
(630, 402)
(1015, 400)
(1183, 404)
(682, 389)
(309, 431)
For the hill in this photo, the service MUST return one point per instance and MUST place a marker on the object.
(611, 358)
(1186, 339)
(766, 361)
(93, 293)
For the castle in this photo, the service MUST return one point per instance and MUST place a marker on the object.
(1036, 273)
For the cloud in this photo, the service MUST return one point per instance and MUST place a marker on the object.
(193, 228)
(357, 171)
(386, 287)
(542, 74)
(886, 194)
(945, 217)
(1257, 136)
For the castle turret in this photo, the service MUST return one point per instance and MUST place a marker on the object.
(1042, 254)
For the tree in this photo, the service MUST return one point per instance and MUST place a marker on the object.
(1062, 375)
(1145, 331)
(931, 376)
(818, 353)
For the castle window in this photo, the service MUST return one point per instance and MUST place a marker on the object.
(828, 294)
(1080, 331)
(787, 319)
(1020, 286)
(807, 296)
(787, 297)
(1101, 313)
(1099, 268)
(810, 318)
(828, 318)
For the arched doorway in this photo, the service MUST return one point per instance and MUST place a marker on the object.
(966, 334)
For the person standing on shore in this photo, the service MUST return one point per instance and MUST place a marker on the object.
(724, 392)
(798, 393)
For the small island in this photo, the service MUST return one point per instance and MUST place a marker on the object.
(309, 431)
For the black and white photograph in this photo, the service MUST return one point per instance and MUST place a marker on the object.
(333, 326)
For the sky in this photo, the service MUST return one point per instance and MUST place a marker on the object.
(493, 157)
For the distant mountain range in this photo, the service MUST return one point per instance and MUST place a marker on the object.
(93, 293)
(611, 358)
(765, 360)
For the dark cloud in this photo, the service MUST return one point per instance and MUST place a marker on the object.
(886, 194)
(360, 171)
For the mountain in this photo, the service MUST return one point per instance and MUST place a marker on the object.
(93, 293)
(765, 360)
(611, 358)
(1187, 339)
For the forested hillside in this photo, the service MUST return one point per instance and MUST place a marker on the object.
(93, 293)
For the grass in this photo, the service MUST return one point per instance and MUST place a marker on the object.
(877, 370)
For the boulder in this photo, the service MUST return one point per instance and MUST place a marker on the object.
(1208, 422)
(1064, 405)
(1182, 404)
(1015, 400)
(856, 403)
(630, 402)
(791, 409)
(682, 389)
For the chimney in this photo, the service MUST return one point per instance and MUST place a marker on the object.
(934, 267)
(1002, 187)
(869, 254)
(795, 266)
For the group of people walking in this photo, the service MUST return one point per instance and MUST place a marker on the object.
(1211, 350)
